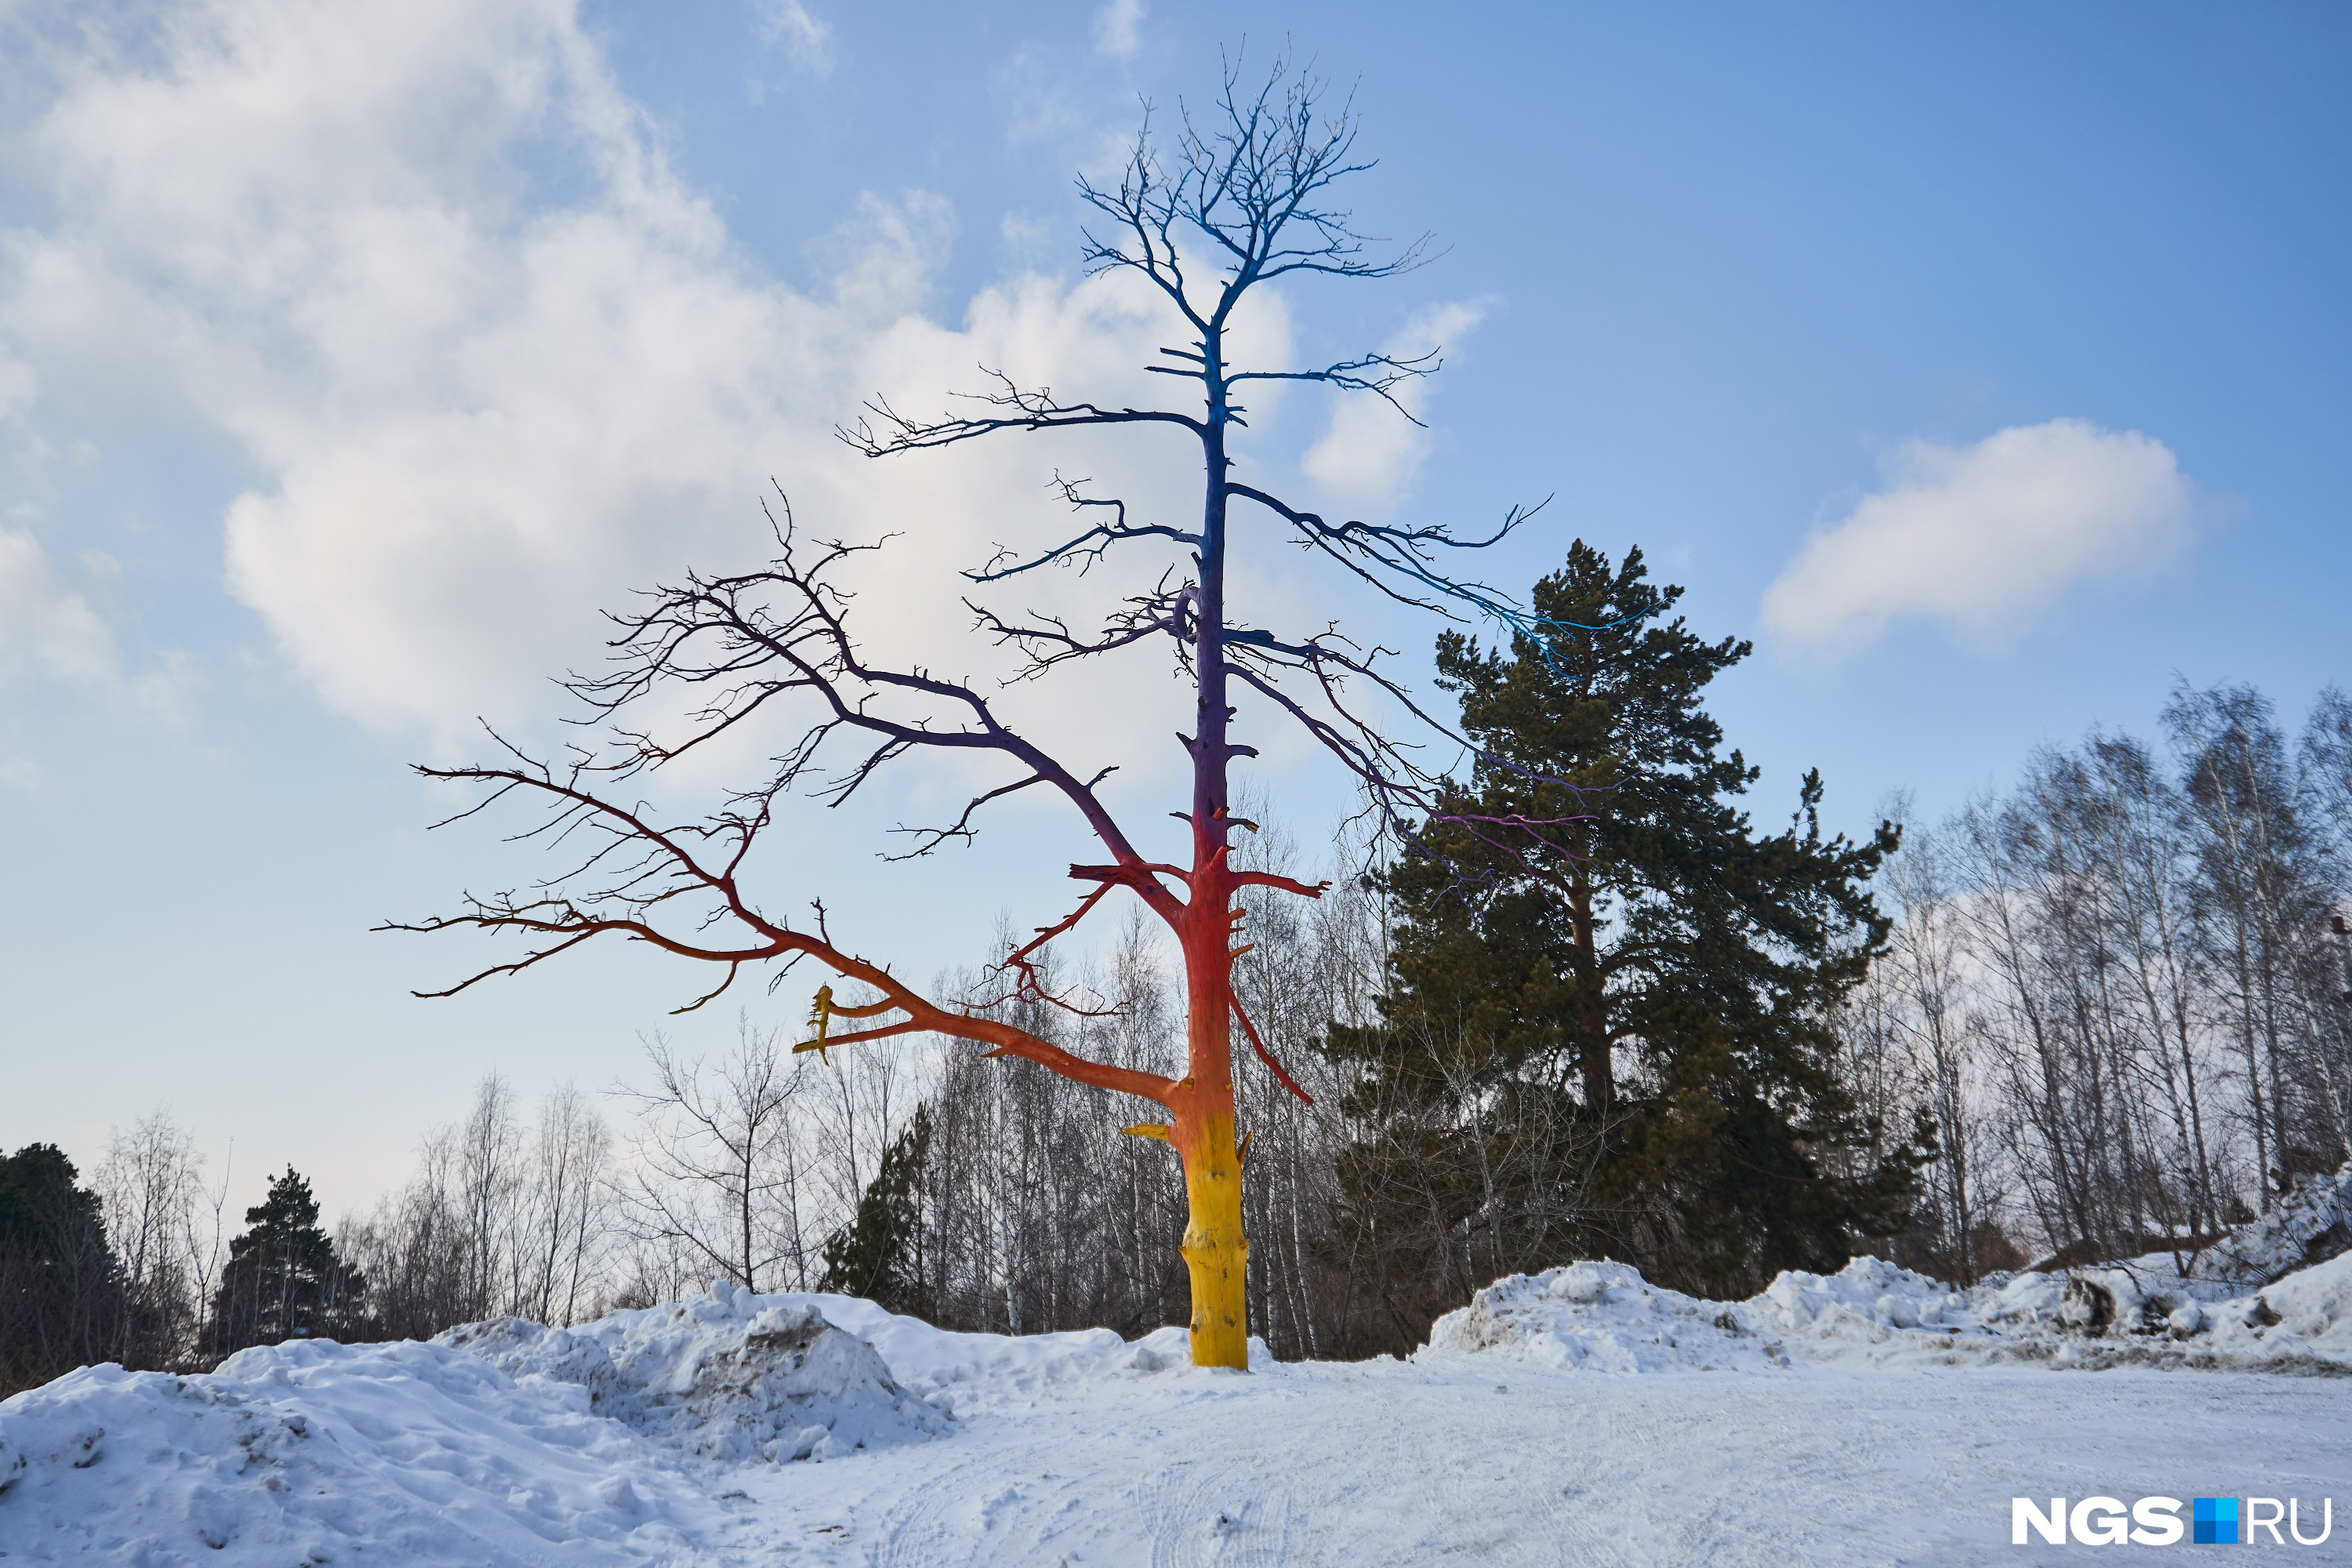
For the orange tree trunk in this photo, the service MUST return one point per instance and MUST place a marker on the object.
(1216, 1254)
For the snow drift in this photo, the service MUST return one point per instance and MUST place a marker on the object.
(2311, 1225)
(314, 1452)
(730, 1376)
(962, 1371)
(1604, 1317)
(499, 1441)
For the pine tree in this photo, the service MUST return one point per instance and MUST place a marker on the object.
(60, 1284)
(284, 1279)
(1596, 925)
(879, 1254)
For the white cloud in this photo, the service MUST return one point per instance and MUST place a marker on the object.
(18, 386)
(45, 625)
(48, 630)
(1369, 453)
(1985, 538)
(1053, 102)
(478, 421)
(808, 41)
(1046, 104)
(1119, 30)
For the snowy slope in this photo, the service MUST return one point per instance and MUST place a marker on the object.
(2311, 1222)
(1873, 1415)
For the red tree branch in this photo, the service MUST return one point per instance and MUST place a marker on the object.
(669, 868)
(1268, 1056)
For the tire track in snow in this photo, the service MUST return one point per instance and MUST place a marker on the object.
(1571, 1510)
(1214, 1515)
(1009, 1497)
(914, 1529)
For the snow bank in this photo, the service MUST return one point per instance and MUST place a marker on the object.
(631, 1439)
(1605, 1317)
(968, 1371)
(2311, 1225)
(508, 1442)
(1866, 1302)
(2309, 1313)
(313, 1452)
(729, 1376)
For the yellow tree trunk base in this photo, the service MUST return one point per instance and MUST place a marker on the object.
(1215, 1250)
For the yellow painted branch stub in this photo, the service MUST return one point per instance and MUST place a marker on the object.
(1159, 1130)
(820, 1017)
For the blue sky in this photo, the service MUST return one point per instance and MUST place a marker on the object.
(1987, 367)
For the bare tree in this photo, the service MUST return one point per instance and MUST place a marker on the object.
(855, 1103)
(2264, 906)
(499, 1219)
(1241, 199)
(205, 1243)
(2326, 759)
(2145, 967)
(568, 1220)
(1912, 1044)
(2326, 770)
(151, 1183)
(492, 1187)
(413, 1249)
(719, 1174)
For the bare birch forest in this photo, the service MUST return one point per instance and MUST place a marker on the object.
(2122, 989)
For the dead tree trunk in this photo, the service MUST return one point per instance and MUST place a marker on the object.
(1240, 200)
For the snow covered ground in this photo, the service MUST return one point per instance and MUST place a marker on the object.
(1577, 1416)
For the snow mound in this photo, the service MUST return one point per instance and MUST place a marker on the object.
(1869, 1301)
(973, 1370)
(1603, 1317)
(313, 1452)
(2312, 1223)
(511, 1444)
(2309, 1313)
(729, 1376)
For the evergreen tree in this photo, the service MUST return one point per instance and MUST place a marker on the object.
(283, 1279)
(60, 1286)
(879, 1254)
(1594, 924)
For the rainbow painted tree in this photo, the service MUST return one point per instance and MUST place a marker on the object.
(1227, 208)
